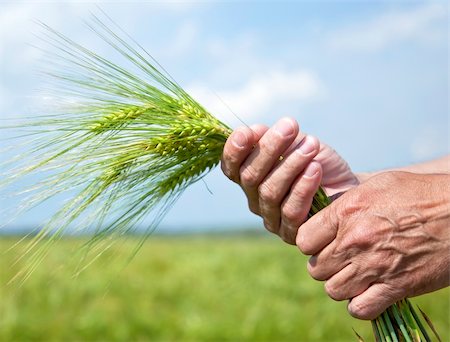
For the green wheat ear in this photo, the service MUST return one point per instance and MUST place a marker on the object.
(131, 144)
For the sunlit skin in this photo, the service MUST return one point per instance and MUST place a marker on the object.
(281, 192)
(383, 240)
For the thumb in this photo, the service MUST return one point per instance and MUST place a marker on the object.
(318, 231)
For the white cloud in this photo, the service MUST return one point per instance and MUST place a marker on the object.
(238, 57)
(247, 82)
(392, 27)
(260, 95)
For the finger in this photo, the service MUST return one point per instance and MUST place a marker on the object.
(329, 261)
(348, 283)
(373, 301)
(267, 152)
(276, 185)
(252, 196)
(259, 130)
(238, 146)
(298, 139)
(296, 205)
(318, 231)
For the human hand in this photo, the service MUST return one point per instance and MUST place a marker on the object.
(281, 191)
(382, 241)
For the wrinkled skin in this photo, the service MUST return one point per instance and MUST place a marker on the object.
(381, 241)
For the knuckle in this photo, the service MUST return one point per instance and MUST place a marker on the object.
(315, 273)
(333, 291)
(290, 213)
(229, 157)
(303, 244)
(287, 237)
(291, 166)
(287, 234)
(226, 171)
(249, 177)
(270, 226)
(364, 237)
(348, 242)
(271, 146)
(229, 166)
(358, 238)
(254, 208)
(353, 203)
(303, 190)
(267, 193)
(360, 310)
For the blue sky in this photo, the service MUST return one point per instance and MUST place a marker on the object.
(370, 78)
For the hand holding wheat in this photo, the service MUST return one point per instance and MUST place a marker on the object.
(127, 142)
(382, 241)
(282, 191)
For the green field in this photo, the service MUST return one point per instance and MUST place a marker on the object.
(186, 288)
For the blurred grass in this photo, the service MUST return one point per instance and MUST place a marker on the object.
(190, 288)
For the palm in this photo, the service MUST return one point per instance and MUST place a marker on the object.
(337, 175)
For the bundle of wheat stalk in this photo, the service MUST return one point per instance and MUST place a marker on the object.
(127, 144)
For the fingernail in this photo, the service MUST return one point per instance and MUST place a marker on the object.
(239, 139)
(285, 127)
(306, 146)
(311, 170)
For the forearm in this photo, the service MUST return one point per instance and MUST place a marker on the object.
(440, 165)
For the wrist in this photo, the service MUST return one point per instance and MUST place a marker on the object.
(440, 199)
(437, 214)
